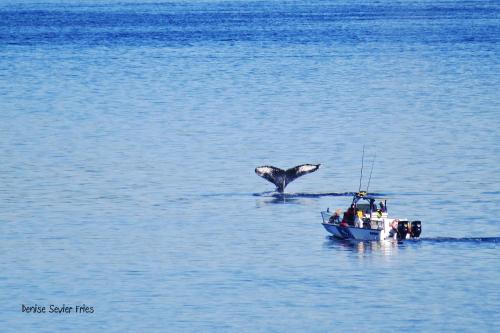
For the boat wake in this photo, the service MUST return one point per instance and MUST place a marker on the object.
(460, 240)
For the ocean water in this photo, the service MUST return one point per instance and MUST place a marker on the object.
(129, 134)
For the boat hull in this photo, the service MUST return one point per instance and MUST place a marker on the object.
(377, 233)
(353, 233)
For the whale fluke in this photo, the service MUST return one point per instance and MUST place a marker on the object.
(281, 178)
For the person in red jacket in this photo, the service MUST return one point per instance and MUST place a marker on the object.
(349, 216)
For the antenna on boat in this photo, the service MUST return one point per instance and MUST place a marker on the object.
(370, 178)
(362, 162)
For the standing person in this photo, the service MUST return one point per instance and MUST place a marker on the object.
(349, 216)
(358, 221)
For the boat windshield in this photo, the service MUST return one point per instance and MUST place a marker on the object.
(369, 204)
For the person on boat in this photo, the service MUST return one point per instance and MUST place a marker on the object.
(335, 218)
(349, 216)
(358, 221)
(394, 228)
(344, 224)
(383, 209)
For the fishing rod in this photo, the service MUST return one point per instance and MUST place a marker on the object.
(370, 178)
(362, 162)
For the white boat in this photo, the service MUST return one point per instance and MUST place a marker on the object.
(367, 221)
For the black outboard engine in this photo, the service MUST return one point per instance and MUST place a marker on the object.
(402, 229)
(416, 229)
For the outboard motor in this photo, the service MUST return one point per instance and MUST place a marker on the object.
(416, 229)
(402, 229)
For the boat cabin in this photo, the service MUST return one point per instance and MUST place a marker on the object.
(369, 206)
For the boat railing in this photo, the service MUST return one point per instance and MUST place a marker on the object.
(326, 216)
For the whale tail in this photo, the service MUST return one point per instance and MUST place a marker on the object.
(281, 178)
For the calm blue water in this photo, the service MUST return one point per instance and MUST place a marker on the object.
(129, 134)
